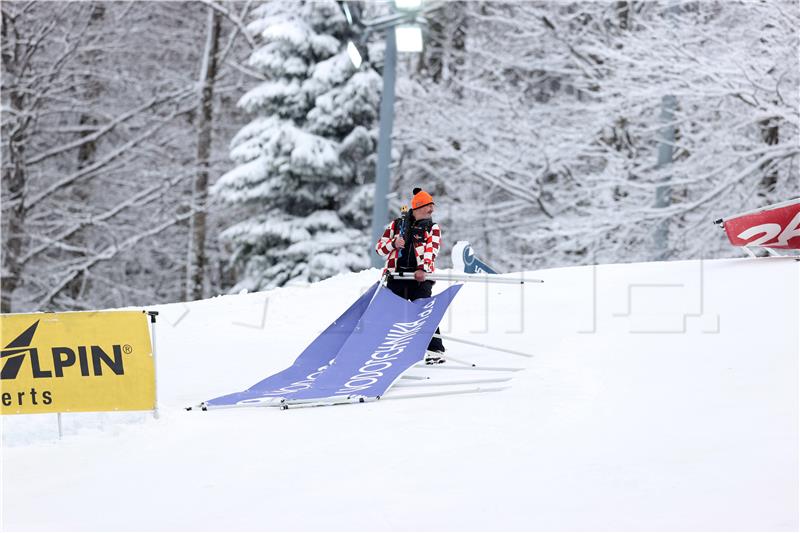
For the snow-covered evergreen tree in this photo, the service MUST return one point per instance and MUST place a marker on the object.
(305, 161)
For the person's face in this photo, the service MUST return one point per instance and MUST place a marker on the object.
(426, 211)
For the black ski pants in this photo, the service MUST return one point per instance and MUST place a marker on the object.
(412, 290)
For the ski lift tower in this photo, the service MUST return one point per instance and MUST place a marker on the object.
(403, 31)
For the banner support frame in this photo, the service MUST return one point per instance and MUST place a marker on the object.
(152, 328)
(459, 278)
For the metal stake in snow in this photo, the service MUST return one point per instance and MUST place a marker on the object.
(485, 278)
(153, 315)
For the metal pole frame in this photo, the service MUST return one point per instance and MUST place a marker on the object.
(485, 278)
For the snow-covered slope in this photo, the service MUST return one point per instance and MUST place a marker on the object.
(663, 396)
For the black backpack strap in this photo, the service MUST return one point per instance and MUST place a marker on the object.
(425, 224)
(421, 227)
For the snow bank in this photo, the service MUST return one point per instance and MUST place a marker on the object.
(663, 396)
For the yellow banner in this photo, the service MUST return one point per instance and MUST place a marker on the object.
(68, 362)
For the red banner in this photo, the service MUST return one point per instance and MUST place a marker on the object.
(774, 226)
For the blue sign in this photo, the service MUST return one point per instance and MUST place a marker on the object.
(473, 265)
(360, 355)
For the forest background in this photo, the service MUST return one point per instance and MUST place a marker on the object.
(163, 151)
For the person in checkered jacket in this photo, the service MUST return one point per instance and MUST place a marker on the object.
(410, 244)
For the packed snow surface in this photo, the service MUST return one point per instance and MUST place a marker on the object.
(662, 396)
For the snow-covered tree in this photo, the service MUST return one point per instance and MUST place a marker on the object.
(305, 162)
(544, 136)
(99, 149)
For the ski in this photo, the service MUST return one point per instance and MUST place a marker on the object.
(482, 345)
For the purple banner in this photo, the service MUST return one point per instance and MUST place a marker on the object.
(360, 355)
(308, 365)
(391, 336)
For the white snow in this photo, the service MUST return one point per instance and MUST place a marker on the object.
(662, 396)
(256, 97)
(295, 32)
(253, 230)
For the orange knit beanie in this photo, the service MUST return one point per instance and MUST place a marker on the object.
(420, 199)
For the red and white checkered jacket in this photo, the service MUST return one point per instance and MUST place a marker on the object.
(425, 251)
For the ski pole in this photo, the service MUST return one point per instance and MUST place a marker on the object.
(403, 224)
(451, 358)
(473, 343)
